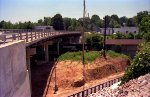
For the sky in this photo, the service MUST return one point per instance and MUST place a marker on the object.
(33, 10)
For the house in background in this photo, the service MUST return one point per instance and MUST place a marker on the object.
(124, 30)
(44, 28)
(125, 46)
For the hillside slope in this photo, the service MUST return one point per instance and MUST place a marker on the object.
(69, 74)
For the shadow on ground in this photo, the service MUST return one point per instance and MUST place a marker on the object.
(39, 77)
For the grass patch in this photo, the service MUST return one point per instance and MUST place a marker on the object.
(115, 54)
(77, 56)
(89, 56)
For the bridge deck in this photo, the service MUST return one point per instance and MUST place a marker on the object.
(31, 36)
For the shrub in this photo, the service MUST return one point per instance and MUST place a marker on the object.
(94, 41)
(130, 36)
(139, 35)
(146, 37)
(140, 64)
(119, 35)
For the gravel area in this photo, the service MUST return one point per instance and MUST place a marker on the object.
(139, 87)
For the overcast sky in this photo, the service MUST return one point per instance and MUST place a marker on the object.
(25, 10)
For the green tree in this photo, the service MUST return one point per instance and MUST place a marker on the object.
(123, 20)
(134, 21)
(21, 25)
(40, 22)
(96, 21)
(130, 22)
(16, 26)
(74, 24)
(8, 25)
(57, 22)
(94, 41)
(146, 37)
(144, 26)
(86, 22)
(47, 20)
(113, 24)
(115, 18)
(140, 16)
(67, 23)
(108, 18)
(2, 24)
(28, 25)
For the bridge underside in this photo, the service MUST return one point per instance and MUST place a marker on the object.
(46, 50)
(42, 50)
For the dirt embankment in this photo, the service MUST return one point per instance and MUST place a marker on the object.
(69, 74)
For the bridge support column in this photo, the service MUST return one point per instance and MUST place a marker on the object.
(46, 51)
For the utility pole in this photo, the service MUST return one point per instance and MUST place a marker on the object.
(83, 59)
(104, 53)
(83, 33)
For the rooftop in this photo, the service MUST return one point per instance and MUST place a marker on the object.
(123, 41)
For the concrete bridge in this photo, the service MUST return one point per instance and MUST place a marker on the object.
(33, 36)
(16, 49)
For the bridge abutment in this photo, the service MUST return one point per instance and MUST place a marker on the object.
(14, 76)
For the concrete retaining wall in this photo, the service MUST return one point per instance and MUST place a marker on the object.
(14, 77)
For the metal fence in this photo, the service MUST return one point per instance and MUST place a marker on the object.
(87, 92)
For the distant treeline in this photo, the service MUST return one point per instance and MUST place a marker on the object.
(65, 23)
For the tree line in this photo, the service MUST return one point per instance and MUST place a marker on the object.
(65, 23)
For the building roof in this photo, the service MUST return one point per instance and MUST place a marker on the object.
(123, 41)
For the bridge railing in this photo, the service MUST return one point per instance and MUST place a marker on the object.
(7, 35)
(94, 89)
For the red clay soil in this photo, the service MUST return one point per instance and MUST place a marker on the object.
(70, 72)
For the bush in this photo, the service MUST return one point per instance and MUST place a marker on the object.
(139, 35)
(130, 36)
(119, 35)
(94, 41)
(146, 37)
(140, 64)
